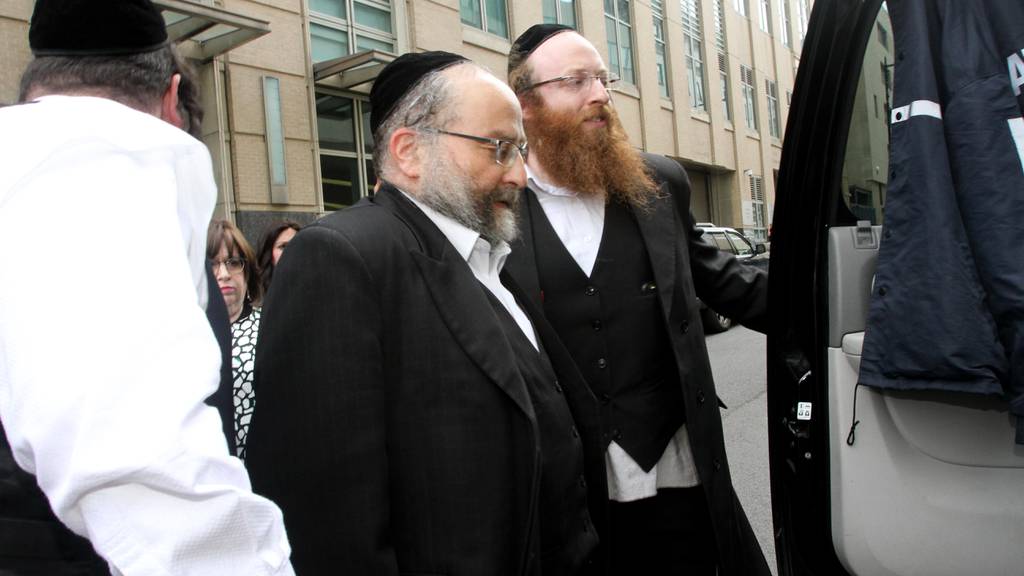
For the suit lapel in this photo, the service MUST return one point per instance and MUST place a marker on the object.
(522, 263)
(460, 300)
(657, 223)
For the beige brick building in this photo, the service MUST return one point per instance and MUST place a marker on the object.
(706, 82)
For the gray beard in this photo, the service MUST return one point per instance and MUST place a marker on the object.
(451, 193)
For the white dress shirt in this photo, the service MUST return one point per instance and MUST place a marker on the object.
(106, 355)
(579, 223)
(484, 260)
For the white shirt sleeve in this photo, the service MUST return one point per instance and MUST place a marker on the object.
(106, 357)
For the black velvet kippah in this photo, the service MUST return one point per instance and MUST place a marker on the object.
(529, 41)
(400, 76)
(89, 28)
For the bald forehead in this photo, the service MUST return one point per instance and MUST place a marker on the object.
(563, 54)
(472, 76)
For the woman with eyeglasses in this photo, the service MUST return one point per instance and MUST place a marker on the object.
(234, 265)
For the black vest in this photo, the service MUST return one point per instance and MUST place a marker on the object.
(567, 535)
(613, 325)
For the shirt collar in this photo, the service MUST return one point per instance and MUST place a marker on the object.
(546, 187)
(468, 243)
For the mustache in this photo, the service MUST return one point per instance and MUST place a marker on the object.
(603, 112)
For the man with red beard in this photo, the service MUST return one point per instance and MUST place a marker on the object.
(416, 414)
(610, 251)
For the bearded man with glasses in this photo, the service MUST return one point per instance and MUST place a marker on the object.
(416, 414)
(611, 253)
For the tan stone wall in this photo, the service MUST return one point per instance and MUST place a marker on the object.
(14, 51)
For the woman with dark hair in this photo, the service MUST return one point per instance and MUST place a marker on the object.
(274, 243)
(238, 276)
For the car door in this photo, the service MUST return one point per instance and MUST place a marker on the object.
(864, 481)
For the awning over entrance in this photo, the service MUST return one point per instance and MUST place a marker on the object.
(347, 72)
(204, 32)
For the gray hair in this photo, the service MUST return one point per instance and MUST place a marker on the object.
(137, 80)
(425, 106)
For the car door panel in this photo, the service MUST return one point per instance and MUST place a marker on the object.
(927, 472)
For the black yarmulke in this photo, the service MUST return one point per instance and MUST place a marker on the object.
(398, 77)
(90, 28)
(529, 41)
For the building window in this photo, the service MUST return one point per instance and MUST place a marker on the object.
(341, 27)
(760, 230)
(660, 58)
(749, 97)
(774, 119)
(692, 40)
(559, 12)
(740, 6)
(346, 149)
(784, 23)
(488, 15)
(723, 59)
(764, 16)
(883, 35)
(619, 31)
(802, 13)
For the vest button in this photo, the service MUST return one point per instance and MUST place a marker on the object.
(718, 464)
(602, 363)
(700, 395)
(684, 327)
(605, 399)
(616, 434)
(558, 387)
(596, 325)
(590, 291)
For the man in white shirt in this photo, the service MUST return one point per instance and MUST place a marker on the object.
(611, 253)
(106, 355)
(415, 416)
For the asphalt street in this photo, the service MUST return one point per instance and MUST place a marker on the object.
(738, 364)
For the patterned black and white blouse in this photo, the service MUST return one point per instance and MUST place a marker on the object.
(244, 332)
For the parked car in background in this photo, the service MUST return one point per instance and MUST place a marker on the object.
(745, 250)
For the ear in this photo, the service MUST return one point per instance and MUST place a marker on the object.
(404, 151)
(169, 104)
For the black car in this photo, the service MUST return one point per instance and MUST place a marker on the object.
(867, 480)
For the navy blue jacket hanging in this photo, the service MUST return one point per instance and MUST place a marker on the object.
(947, 307)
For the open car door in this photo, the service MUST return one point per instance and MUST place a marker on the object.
(928, 483)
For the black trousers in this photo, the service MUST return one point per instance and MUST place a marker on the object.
(668, 534)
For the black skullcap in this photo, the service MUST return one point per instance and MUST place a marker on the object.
(400, 76)
(530, 40)
(88, 28)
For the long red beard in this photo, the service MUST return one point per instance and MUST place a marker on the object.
(589, 161)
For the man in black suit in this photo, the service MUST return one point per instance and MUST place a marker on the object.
(610, 251)
(415, 414)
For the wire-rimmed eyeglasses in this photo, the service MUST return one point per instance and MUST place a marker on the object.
(504, 150)
(578, 82)
(233, 265)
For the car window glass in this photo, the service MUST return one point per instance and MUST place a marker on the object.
(721, 241)
(741, 246)
(866, 165)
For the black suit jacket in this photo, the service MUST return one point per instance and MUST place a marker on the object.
(687, 266)
(393, 427)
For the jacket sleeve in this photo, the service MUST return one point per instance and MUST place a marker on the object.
(317, 443)
(105, 360)
(720, 280)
